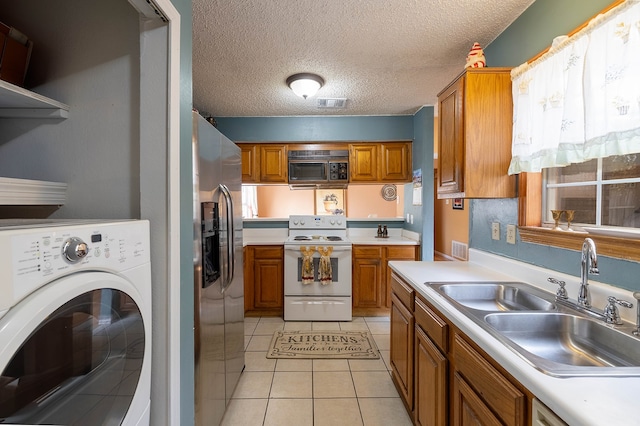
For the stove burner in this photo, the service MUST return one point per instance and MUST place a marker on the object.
(333, 238)
(301, 238)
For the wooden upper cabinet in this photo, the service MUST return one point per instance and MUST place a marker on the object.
(380, 162)
(395, 165)
(264, 162)
(250, 163)
(474, 127)
(273, 163)
(451, 144)
(369, 162)
(363, 162)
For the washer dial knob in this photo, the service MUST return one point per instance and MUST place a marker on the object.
(74, 249)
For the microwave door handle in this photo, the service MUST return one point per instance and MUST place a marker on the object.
(230, 236)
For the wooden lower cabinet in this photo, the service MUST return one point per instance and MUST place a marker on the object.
(468, 408)
(264, 280)
(401, 354)
(431, 367)
(372, 276)
(443, 378)
(396, 253)
(430, 393)
(497, 393)
(367, 277)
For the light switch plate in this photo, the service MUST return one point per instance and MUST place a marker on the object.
(511, 234)
(495, 231)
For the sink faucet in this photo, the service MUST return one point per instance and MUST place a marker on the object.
(589, 265)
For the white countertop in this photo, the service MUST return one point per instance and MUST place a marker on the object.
(391, 241)
(578, 401)
(264, 236)
(365, 236)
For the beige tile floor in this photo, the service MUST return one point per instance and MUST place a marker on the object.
(315, 392)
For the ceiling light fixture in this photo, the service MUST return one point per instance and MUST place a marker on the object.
(305, 84)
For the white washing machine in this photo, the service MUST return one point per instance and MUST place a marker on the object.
(75, 322)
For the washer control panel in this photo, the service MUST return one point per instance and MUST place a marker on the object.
(33, 257)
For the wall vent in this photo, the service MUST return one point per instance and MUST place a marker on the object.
(334, 103)
(459, 250)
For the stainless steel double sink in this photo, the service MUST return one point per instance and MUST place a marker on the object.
(553, 338)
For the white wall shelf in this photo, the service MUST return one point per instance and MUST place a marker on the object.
(27, 192)
(17, 102)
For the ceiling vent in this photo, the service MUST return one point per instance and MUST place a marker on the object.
(333, 103)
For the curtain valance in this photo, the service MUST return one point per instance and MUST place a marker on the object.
(581, 99)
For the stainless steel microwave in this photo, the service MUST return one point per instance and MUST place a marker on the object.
(319, 167)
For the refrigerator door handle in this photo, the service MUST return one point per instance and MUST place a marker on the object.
(230, 236)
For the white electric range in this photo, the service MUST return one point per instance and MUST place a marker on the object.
(317, 269)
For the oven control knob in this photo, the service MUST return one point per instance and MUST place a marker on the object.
(340, 222)
(295, 221)
(333, 222)
(74, 249)
(301, 221)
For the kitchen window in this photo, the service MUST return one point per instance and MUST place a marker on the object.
(576, 111)
(534, 226)
(601, 192)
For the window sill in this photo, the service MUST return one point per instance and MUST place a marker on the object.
(622, 248)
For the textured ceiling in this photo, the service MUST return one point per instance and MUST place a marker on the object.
(387, 57)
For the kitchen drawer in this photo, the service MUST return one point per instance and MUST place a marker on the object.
(401, 252)
(435, 327)
(498, 393)
(402, 291)
(367, 251)
(268, 252)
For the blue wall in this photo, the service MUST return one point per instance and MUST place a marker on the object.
(316, 129)
(423, 160)
(531, 33)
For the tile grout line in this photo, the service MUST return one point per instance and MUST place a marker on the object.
(313, 396)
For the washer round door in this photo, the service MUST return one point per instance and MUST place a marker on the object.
(74, 353)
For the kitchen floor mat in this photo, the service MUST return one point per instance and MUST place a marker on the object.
(323, 344)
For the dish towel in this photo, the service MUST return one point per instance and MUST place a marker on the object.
(307, 264)
(324, 269)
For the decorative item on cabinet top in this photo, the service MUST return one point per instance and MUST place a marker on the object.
(475, 58)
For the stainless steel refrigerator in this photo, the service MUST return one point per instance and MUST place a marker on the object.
(219, 287)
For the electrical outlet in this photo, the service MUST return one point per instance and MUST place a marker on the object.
(511, 234)
(495, 231)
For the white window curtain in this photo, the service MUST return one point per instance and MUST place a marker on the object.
(581, 99)
(249, 201)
